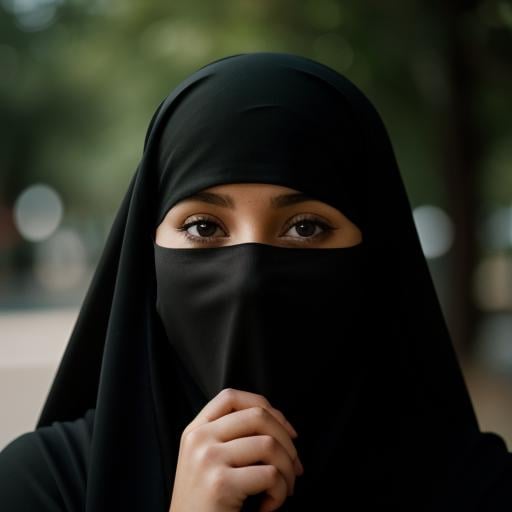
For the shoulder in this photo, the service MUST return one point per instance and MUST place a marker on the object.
(482, 479)
(498, 476)
(46, 469)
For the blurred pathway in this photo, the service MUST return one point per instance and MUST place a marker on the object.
(31, 345)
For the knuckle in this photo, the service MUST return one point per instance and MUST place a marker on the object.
(218, 482)
(269, 444)
(227, 393)
(208, 454)
(260, 413)
(273, 475)
(191, 437)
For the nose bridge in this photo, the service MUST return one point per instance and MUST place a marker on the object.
(249, 272)
(254, 232)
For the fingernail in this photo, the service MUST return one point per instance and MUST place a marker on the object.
(298, 466)
(295, 434)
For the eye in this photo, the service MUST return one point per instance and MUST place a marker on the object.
(308, 228)
(204, 229)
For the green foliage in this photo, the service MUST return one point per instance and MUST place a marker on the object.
(77, 93)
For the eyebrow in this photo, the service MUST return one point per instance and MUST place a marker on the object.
(227, 201)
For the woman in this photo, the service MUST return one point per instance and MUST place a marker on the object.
(263, 274)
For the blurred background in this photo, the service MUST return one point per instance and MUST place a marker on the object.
(80, 79)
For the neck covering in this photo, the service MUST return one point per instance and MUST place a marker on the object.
(349, 342)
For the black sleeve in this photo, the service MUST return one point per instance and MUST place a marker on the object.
(481, 481)
(46, 470)
(498, 494)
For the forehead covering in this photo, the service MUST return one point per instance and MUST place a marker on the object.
(263, 119)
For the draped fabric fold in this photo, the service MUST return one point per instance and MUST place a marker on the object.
(387, 421)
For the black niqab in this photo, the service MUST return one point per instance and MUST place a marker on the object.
(350, 343)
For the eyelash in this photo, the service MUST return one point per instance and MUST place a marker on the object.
(206, 239)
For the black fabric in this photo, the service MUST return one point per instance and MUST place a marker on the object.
(273, 320)
(46, 470)
(384, 417)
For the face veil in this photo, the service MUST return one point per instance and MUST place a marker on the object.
(372, 377)
(271, 320)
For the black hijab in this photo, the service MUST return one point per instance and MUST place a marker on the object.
(350, 343)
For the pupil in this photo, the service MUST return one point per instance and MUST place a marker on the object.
(210, 228)
(308, 230)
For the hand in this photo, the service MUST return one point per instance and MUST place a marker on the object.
(219, 451)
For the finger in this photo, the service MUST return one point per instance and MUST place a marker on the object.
(246, 451)
(261, 478)
(248, 422)
(230, 399)
(284, 421)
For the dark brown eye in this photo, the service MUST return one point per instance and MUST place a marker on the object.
(205, 228)
(305, 228)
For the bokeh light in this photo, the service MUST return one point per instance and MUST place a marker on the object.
(37, 212)
(493, 283)
(32, 15)
(435, 230)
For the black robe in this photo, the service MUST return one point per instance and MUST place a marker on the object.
(394, 429)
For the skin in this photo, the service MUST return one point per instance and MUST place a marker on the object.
(253, 219)
(236, 446)
(239, 444)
